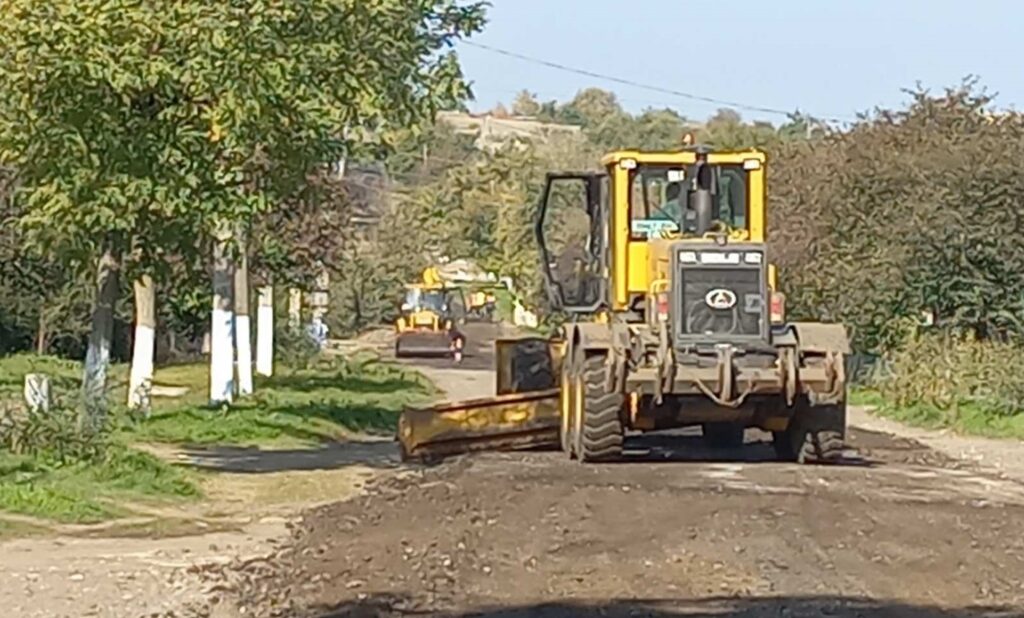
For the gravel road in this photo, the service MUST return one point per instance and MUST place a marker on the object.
(677, 531)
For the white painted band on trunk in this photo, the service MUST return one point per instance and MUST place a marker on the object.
(265, 340)
(141, 376)
(222, 358)
(242, 342)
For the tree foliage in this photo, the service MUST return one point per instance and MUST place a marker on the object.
(137, 129)
(911, 211)
(146, 124)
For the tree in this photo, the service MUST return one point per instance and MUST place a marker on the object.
(593, 106)
(726, 129)
(905, 213)
(660, 129)
(525, 104)
(136, 128)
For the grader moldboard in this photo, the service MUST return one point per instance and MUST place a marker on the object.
(675, 320)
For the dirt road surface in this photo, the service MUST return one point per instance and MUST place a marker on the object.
(676, 531)
(914, 531)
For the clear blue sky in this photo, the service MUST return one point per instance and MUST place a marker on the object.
(830, 58)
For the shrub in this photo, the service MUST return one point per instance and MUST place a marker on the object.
(941, 375)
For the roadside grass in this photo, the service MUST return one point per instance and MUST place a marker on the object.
(296, 407)
(65, 375)
(328, 400)
(967, 418)
(89, 491)
(947, 381)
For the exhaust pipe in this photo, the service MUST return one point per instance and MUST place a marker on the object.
(701, 203)
(701, 192)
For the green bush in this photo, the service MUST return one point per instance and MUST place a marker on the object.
(294, 347)
(944, 377)
(54, 434)
(909, 211)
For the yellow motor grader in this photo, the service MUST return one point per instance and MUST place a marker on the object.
(428, 320)
(674, 319)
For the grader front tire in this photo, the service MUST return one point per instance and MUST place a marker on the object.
(601, 434)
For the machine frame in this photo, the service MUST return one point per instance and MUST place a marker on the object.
(788, 379)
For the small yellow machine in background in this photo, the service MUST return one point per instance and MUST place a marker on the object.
(427, 324)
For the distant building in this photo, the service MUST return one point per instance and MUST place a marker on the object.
(492, 131)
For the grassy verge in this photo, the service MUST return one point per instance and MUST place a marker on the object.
(968, 418)
(296, 407)
(65, 375)
(88, 491)
(951, 382)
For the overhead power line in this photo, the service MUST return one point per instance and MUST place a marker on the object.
(628, 82)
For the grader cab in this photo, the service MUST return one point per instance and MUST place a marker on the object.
(675, 319)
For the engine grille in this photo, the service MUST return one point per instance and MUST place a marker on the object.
(740, 285)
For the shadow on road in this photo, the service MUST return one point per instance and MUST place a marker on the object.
(791, 607)
(689, 445)
(331, 456)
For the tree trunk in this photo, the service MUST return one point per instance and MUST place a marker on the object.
(295, 308)
(321, 296)
(97, 358)
(140, 380)
(42, 342)
(265, 332)
(243, 340)
(221, 326)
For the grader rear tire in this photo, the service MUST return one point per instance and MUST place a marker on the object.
(815, 435)
(601, 435)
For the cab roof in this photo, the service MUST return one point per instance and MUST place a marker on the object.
(683, 156)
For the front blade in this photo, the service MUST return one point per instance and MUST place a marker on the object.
(423, 343)
(505, 422)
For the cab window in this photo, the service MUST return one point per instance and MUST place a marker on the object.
(658, 199)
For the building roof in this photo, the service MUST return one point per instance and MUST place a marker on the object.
(492, 131)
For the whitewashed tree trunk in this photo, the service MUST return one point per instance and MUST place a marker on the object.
(222, 326)
(97, 357)
(140, 380)
(294, 308)
(321, 296)
(265, 332)
(243, 332)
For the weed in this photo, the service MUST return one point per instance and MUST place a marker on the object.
(959, 382)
